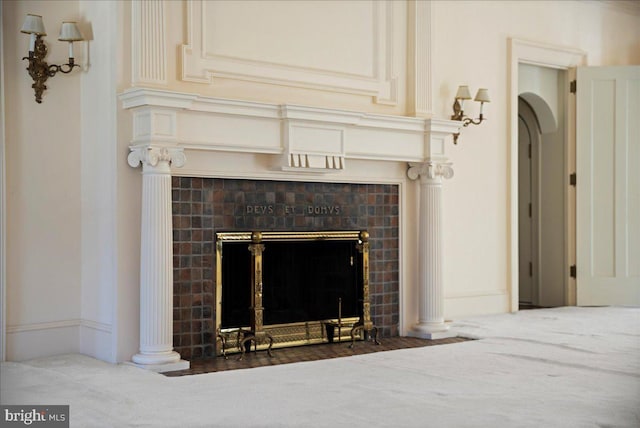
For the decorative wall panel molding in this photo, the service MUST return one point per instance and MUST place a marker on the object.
(346, 50)
(419, 85)
(149, 47)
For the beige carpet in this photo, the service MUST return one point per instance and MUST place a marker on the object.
(565, 367)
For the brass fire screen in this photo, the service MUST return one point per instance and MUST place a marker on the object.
(257, 272)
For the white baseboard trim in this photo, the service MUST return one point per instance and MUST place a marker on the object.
(59, 324)
(20, 328)
(459, 306)
(25, 342)
(28, 341)
(95, 325)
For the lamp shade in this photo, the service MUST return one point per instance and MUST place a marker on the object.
(482, 96)
(69, 32)
(33, 25)
(463, 93)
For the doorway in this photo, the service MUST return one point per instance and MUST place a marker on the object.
(541, 186)
(522, 54)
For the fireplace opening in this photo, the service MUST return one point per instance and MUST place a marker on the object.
(309, 284)
(303, 281)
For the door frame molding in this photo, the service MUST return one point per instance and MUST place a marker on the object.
(521, 51)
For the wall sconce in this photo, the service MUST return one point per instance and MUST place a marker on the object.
(458, 111)
(38, 68)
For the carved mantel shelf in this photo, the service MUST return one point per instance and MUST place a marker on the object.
(302, 138)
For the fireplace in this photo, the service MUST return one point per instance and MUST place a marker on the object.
(204, 207)
(283, 165)
(311, 286)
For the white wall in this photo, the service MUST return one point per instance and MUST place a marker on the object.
(98, 183)
(470, 47)
(43, 193)
(129, 205)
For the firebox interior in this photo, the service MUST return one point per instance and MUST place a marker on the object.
(303, 281)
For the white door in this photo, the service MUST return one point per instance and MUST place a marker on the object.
(608, 185)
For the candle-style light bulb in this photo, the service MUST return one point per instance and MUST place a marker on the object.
(32, 42)
(34, 27)
(483, 97)
(69, 32)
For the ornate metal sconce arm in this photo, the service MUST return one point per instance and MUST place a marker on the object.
(40, 71)
(458, 113)
(53, 69)
(467, 121)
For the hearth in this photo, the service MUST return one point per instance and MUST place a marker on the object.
(291, 288)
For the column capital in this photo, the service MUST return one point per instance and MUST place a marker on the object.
(153, 156)
(430, 169)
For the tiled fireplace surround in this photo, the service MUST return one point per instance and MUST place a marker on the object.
(203, 206)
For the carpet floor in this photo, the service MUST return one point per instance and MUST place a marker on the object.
(562, 367)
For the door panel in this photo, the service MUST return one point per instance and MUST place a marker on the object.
(608, 190)
(525, 236)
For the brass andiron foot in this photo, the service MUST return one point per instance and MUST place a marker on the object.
(369, 329)
(259, 337)
(223, 344)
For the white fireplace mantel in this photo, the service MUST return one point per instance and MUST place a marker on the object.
(328, 137)
(169, 127)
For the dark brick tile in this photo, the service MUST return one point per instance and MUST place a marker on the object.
(202, 206)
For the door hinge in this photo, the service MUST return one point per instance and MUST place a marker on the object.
(573, 86)
(572, 179)
(529, 151)
(530, 210)
(572, 271)
(530, 269)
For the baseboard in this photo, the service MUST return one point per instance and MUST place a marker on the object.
(25, 342)
(472, 304)
(96, 340)
(28, 341)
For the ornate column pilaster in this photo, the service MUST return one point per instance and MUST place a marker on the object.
(156, 257)
(430, 259)
(148, 42)
(430, 264)
(419, 86)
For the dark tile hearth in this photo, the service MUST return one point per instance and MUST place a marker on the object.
(306, 353)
